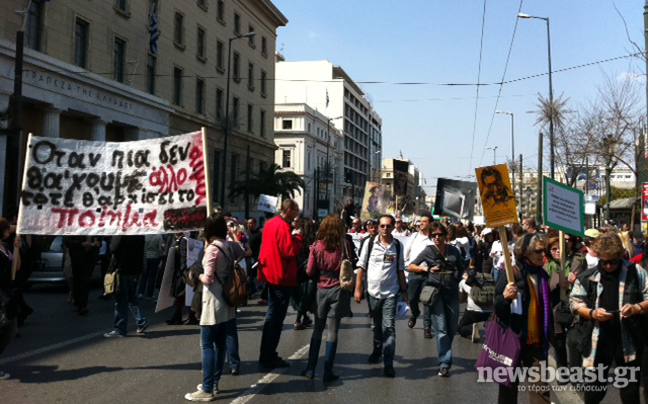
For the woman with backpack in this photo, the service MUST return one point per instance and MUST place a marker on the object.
(216, 313)
(610, 299)
(333, 303)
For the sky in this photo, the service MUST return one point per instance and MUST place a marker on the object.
(434, 43)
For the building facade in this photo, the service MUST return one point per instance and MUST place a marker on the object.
(329, 89)
(90, 73)
(309, 144)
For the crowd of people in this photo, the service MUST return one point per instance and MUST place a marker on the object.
(585, 305)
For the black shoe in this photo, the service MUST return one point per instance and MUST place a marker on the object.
(330, 377)
(234, 372)
(374, 357)
(276, 363)
(389, 371)
(175, 320)
(191, 320)
(444, 372)
(427, 334)
(412, 322)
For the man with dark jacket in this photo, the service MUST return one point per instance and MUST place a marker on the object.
(278, 268)
(129, 253)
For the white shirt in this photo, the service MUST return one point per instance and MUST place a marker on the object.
(471, 305)
(384, 264)
(404, 232)
(415, 245)
(591, 261)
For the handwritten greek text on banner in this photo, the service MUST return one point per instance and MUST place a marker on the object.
(105, 188)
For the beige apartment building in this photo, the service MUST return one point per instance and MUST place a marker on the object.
(90, 73)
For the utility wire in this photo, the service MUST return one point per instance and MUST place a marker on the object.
(481, 52)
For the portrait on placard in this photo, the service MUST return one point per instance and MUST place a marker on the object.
(497, 197)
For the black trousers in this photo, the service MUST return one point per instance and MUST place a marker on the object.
(468, 319)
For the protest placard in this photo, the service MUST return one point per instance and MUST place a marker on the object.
(267, 203)
(497, 196)
(563, 207)
(75, 187)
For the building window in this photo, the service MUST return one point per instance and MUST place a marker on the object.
(234, 172)
(286, 124)
(285, 160)
(220, 56)
(200, 96)
(264, 46)
(251, 37)
(177, 86)
(81, 43)
(236, 67)
(249, 119)
(220, 11)
(119, 59)
(237, 24)
(251, 76)
(219, 103)
(121, 4)
(235, 112)
(151, 62)
(262, 119)
(200, 43)
(264, 77)
(178, 28)
(308, 161)
(34, 25)
(203, 4)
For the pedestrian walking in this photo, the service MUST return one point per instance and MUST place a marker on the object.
(278, 268)
(445, 266)
(129, 254)
(415, 281)
(84, 254)
(216, 314)
(332, 303)
(381, 259)
(152, 255)
(8, 307)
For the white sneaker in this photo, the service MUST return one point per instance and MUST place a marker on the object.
(200, 396)
(475, 333)
(113, 334)
(216, 391)
(4, 375)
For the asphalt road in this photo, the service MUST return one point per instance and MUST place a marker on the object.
(61, 357)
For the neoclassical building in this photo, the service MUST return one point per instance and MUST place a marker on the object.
(90, 72)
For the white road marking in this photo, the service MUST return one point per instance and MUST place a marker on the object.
(43, 350)
(267, 379)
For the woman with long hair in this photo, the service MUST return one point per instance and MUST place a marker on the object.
(332, 302)
(216, 313)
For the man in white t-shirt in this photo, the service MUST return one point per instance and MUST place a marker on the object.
(474, 314)
(381, 259)
(416, 280)
(399, 230)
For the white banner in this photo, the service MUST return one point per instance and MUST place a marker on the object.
(267, 203)
(75, 187)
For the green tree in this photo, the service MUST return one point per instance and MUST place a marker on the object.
(270, 181)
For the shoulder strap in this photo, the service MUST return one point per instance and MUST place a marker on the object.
(370, 240)
(398, 252)
(228, 258)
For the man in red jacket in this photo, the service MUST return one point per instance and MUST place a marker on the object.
(278, 268)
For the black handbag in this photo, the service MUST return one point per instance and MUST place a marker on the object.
(562, 314)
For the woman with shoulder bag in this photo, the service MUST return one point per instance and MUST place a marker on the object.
(445, 266)
(524, 306)
(333, 303)
(216, 313)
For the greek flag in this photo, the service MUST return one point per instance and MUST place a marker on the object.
(153, 30)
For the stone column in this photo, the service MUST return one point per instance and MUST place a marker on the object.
(52, 122)
(98, 132)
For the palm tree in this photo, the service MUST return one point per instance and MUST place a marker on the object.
(270, 181)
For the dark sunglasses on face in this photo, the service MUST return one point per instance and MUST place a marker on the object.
(385, 226)
(539, 251)
(555, 249)
(437, 235)
(609, 262)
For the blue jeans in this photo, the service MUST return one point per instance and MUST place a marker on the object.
(414, 286)
(278, 301)
(213, 347)
(445, 317)
(146, 285)
(124, 299)
(233, 345)
(383, 325)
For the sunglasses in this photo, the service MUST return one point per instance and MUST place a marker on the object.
(609, 262)
(539, 251)
(437, 235)
(555, 249)
(385, 226)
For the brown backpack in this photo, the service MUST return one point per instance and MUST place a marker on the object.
(235, 286)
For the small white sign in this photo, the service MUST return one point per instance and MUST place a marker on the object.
(267, 203)
(590, 208)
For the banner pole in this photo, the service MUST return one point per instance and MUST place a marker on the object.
(561, 277)
(507, 256)
(203, 131)
(16, 250)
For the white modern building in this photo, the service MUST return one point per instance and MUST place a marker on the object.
(328, 89)
(306, 140)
